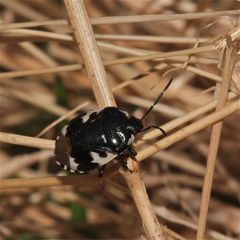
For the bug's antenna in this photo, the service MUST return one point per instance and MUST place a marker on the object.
(157, 99)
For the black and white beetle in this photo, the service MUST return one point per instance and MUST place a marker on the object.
(91, 140)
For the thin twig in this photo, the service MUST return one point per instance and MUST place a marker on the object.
(160, 17)
(80, 181)
(26, 141)
(147, 38)
(116, 19)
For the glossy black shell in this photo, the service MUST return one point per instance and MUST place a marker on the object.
(109, 131)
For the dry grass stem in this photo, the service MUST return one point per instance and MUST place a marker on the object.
(156, 18)
(81, 181)
(148, 38)
(26, 141)
(30, 24)
(152, 227)
(84, 37)
(116, 20)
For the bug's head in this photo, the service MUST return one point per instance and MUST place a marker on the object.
(135, 125)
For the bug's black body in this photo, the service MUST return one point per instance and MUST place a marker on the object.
(91, 140)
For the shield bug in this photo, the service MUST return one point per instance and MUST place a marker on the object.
(91, 140)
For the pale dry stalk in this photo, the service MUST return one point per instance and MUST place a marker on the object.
(86, 181)
(86, 42)
(26, 141)
(215, 136)
(108, 20)
(155, 230)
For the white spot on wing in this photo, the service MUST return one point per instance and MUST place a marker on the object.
(124, 112)
(130, 165)
(104, 138)
(58, 163)
(64, 130)
(87, 115)
(72, 164)
(71, 168)
(102, 161)
(130, 140)
(57, 138)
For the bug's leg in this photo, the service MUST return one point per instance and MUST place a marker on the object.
(123, 159)
(156, 127)
(132, 153)
(125, 164)
(101, 170)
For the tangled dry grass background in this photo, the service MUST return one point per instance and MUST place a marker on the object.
(44, 84)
